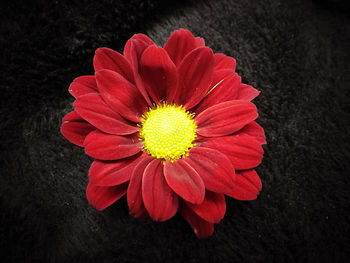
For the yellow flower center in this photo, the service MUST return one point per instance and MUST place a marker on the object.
(168, 132)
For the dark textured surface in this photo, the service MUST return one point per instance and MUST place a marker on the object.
(296, 52)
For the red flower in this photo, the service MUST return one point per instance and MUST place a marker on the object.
(173, 128)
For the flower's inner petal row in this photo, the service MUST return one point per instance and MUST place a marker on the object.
(121, 95)
(243, 151)
(104, 146)
(160, 201)
(93, 109)
(184, 180)
(101, 197)
(109, 173)
(179, 44)
(159, 74)
(196, 74)
(248, 185)
(83, 85)
(225, 118)
(247, 92)
(224, 62)
(200, 227)
(106, 58)
(212, 209)
(168, 132)
(215, 169)
(133, 51)
(75, 129)
(224, 90)
(134, 194)
(255, 130)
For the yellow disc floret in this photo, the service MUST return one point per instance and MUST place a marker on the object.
(168, 131)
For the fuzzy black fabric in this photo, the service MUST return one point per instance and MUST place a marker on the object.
(296, 53)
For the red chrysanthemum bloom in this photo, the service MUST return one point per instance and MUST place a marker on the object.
(173, 128)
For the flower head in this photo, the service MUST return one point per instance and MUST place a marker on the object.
(173, 128)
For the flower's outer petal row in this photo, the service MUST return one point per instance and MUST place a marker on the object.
(224, 62)
(224, 90)
(212, 209)
(247, 92)
(243, 151)
(196, 74)
(225, 118)
(133, 51)
(220, 75)
(215, 169)
(73, 116)
(160, 201)
(159, 74)
(248, 185)
(101, 197)
(184, 180)
(200, 227)
(121, 95)
(109, 173)
(200, 42)
(75, 129)
(93, 109)
(179, 44)
(106, 58)
(255, 130)
(83, 85)
(134, 193)
(104, 146)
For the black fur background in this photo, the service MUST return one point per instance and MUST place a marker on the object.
(296, 52)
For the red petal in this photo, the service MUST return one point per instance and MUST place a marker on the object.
(106, 173)
(106, 58)
(184, 180)
(159, 74)
(104, 146)
(134, 48)
(255, 130)
(243, 151)
(224, 90)
(201, 228)
(248, 185)
(224, 62)
(195, 74)
(101, 197)
(75, 129)
(221, 74)
(121, 95)
(200, 42)
(73, 116)
(213, 167)
(160, 201)
(93, 109)
(134, 194)
(133, 51)
(212, 209)
(247, 92)
(179, 44)
(83, 85)
(225, 118)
